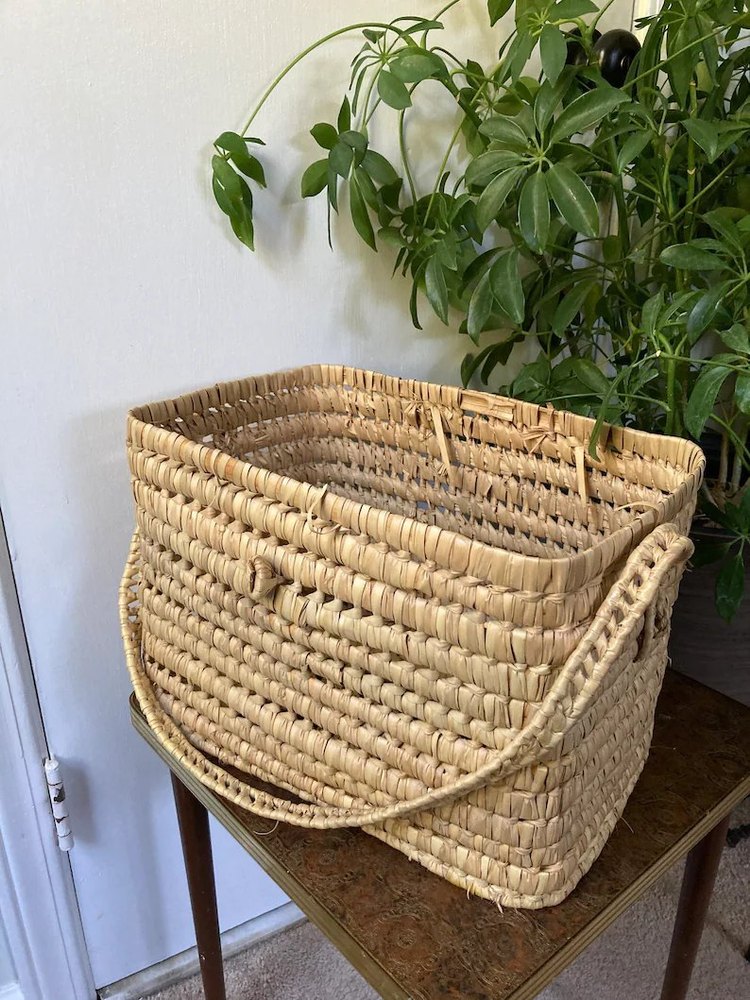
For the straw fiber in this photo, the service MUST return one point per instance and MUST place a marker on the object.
(422, 610)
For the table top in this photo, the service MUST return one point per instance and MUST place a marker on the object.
(414, 936)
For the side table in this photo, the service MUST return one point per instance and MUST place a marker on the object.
(413, 936)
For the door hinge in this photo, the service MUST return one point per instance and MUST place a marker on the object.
(56, 790)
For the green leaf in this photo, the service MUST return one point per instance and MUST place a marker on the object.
(379, 168)
(413, 66)
(422, 24)
(325, 135)
(576, 374)
(575, 202)
(345, 116)
(228, 182)
(548, 99)
(447, 252)
(703, 398)
(652, 309)
(714, 138)
(744, 509)
(223, 200)
(226, 186)
(703, 312)
(682, 57)
(242, 227)
(368, 189)
(503, 129)
(314, 179)
(532, 382)
(518, 54)
(495, 195)
(689, 257)
(505, 282)
(570, 305)
(390, 194)
(359, 213)
(704, 134)
(708, 552)
(392, 236)
(470, 364)
(392, 91)
(341, 158)
(736, 337)
(249, 165)
(498, 356)
(631, 149)
(533, 212)
(486, 166)
(730, 586)
(587, 111)
(235, 199)
(357, 142)
(437, 288)
(333, 195)
(742, 393)
(721, 221)
(497, 9)
(571, 10)
(480, 307)
(716, 514)
(554, 51)
(488, 358)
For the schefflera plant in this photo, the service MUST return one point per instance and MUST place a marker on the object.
(601, 209)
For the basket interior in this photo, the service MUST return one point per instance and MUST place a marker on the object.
(384, 450)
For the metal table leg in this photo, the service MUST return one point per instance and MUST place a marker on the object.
(196, 850)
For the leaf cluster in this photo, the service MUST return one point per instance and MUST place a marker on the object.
(609, 227)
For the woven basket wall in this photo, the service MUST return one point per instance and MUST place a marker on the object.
(426, 611)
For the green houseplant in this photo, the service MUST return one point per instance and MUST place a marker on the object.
(601, 208)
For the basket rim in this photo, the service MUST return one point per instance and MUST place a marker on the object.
(418, 538)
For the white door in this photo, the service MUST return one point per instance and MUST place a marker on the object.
(119, 284)
(42, 951)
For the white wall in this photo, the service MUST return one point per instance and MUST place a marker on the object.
(7, 968)
(120, 284)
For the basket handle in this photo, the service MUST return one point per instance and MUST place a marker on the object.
(616, 621)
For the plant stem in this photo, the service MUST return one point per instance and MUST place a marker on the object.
(649, 236)
(738, 464)
(691, 165)
(685, 48)
(405, 156)
(738, 443)
(671, 426)
(360, 26)
(724, 461)
(444, 10)
(605, 8)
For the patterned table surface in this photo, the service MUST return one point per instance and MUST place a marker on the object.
(412, 935)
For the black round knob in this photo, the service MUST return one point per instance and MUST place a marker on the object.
(577, 54)
(615, 52)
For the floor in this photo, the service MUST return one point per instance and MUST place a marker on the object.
(627, 961)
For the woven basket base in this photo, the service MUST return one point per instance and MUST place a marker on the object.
(411, 836)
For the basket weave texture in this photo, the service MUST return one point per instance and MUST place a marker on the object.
(423, 610)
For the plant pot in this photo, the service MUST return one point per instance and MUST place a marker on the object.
(703, 645)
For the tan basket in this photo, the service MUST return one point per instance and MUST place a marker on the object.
(426, 611)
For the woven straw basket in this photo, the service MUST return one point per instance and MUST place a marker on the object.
(425, 611)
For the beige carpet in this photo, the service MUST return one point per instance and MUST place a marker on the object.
(625, 963)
